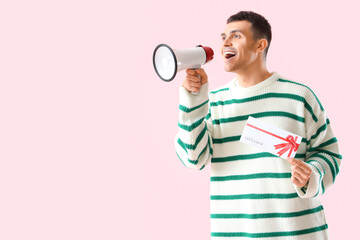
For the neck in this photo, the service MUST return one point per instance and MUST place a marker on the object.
(252, 75)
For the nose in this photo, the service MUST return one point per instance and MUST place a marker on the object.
(227, 42)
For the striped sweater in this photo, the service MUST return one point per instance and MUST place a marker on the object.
(251, 194)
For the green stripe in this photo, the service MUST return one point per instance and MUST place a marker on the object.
(209, 143)
(242, 157)
(309, 108)
(265, 96)
(336, 165)
(329, 142)
(299, 155)
(321, 129)
(331, 166)
(208, 115)
(192, 126)
(220, 90)
(249, 156)
(259, 115)
(269, 234)
(255, 196)
(194, 162)
(327, 152)
(321, 176)
(187, 110)
(189, 161)
(322, 181)
(201, 153)
(182, 145)
(193, 146)
(226, 139)
(287, 81)
(304, 140)
(258, 97)
(180, 158)
(251, 176)
(267, 215)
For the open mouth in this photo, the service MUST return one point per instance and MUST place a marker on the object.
(229, 55)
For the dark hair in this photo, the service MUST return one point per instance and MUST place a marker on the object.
(259, 25)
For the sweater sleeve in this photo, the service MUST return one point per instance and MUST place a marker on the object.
(193, 142)
(322, 154)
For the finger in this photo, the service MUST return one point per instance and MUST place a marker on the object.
(294, 161)
(203, 75)
(302, 171)
(192, 72)
(302, 180)
(193, 89)
(200, 71)
(296, 181)
(191, 86)
(193, 78)
(298, 176)
(305, 168)
(194, 84)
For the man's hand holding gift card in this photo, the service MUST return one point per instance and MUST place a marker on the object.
(300, 172)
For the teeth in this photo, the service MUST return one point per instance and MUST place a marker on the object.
(229, 53)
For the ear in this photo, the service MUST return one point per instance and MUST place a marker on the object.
(261, 45)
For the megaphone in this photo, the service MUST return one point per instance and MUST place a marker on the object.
(167, 61)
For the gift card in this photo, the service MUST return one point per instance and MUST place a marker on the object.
(270, 138)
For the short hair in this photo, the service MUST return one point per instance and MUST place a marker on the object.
(259, 25)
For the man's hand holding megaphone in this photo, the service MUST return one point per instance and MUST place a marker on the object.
(194, 79)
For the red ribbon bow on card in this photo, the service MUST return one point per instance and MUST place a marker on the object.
(291, 144)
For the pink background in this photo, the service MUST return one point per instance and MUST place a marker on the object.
(87, 128)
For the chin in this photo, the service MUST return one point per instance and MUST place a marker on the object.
(228, 68)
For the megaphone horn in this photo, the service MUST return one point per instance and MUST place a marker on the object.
(167, 61)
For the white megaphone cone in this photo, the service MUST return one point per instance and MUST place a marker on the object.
(167, 61)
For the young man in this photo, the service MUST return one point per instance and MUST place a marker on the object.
(255, 194)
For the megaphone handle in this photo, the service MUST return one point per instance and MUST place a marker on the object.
(194, 68)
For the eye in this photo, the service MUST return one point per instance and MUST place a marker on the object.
(236, 36)
(223, 38)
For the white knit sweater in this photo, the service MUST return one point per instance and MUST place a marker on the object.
(252, 195)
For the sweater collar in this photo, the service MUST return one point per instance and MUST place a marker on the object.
(234, 85)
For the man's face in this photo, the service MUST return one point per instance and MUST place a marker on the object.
(239, 48)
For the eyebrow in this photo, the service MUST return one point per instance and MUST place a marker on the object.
(233, 31)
